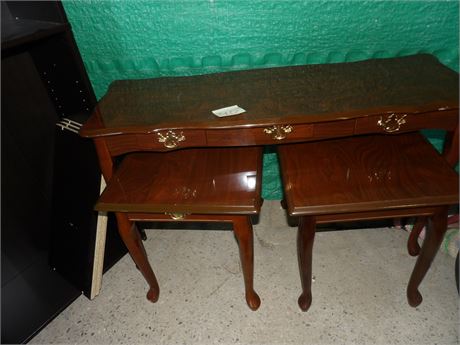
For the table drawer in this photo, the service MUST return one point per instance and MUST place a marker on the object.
(401, 122)
(158, 141)
(334, 129)
(266, 135)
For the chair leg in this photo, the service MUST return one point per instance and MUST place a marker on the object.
(433, 238)
(305, 239)
(412, 243)
(131, 238)
(242, 229)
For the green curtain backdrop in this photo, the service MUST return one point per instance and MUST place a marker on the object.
(147, 39)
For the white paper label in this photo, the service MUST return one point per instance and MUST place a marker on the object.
(228, 111)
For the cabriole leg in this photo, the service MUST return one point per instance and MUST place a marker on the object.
(433, 238)
(412, 243)
(242, 228)
(305, 239)
(131, 238)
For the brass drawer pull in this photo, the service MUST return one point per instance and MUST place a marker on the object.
(176, 216)
(279, 132)
(170, 139)
(392, 123)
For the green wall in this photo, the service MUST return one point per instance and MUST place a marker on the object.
(145, 39)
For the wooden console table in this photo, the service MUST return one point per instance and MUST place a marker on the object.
(285, 104)
(282, 105)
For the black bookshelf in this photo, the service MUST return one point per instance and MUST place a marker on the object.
(50, 176)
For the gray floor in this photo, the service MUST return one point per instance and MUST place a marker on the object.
(359, 286)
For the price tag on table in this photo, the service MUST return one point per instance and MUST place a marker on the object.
(228, 111)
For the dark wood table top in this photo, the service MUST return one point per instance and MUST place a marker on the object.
(293, 95)
(366, 173)
(203, 181)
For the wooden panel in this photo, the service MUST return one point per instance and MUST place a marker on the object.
(334, 129)
(365, 173)
(376, 215)
(257, 135)
(408, 122)
(206, 181)
(119, 144)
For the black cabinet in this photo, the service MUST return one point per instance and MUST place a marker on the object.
(49, 175)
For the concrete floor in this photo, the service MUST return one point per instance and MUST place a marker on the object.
(360, 278)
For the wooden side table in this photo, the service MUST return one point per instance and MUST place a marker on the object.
(204, 184)
(368, 177)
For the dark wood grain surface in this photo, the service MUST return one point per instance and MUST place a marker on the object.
(208, 181)
(365, 173)
(296, 94)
